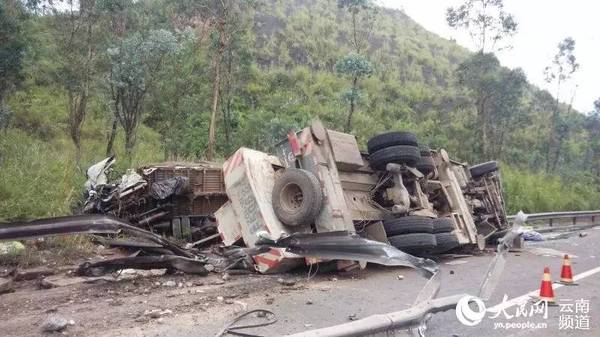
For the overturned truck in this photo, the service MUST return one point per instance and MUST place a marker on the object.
(399, 192)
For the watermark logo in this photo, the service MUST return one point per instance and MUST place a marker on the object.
(466, 314)
(574, 314)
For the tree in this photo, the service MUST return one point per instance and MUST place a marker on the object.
(362, 14)
(133, 66)
(225, 18)
(496, 93)
(354, 66)
(486, 22)
(12, 49)
(76, 37)
(592, 126)
(563, 66)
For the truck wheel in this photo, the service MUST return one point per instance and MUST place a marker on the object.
(425, 150)
(297, 197)
(399, 154)
(426, 164)
(414, 242)
(443, 225)
(391, 139)
(483, 168)
(407, 225)
(446, 242)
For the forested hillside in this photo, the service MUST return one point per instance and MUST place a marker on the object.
(145, 79)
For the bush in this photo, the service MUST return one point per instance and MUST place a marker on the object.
(535, 192)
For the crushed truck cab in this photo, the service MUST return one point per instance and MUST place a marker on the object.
(399, 192)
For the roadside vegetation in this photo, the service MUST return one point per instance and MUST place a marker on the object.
(187, 80)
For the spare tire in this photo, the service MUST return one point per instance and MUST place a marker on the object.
(446, 242)
(483, 168)
(391, 139)
(414, 242)
(426, 165)
(399, 154)
(443, 225)
(408, 224)
(297, 197)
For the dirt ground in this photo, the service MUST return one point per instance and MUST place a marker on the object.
(116, 307)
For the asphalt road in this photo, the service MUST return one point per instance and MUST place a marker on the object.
(330, 299)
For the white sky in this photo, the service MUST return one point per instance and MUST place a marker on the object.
(542, 25)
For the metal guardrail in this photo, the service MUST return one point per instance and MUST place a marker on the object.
(551, 218)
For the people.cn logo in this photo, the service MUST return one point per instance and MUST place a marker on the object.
(466, 315)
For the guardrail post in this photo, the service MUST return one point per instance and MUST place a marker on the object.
(593, 219)
(574, 220)
(550, 224)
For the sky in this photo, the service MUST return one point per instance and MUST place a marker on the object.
(542, 25)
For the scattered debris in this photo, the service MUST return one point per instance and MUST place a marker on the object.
(353, 317)
(33, 273)
(550, 252)
(64, 281)
(286, 282)
(169, 284)
(55, 323)
(184, 264)
(309, 302)
(528, 234)
(456, 262)
(400, 277)
(582, 234)
(6, 285)
(157, 313)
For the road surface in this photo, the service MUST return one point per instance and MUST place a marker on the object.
(203, 306)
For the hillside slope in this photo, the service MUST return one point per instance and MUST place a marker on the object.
(280, 76)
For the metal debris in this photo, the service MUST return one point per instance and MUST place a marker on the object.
(172, 262)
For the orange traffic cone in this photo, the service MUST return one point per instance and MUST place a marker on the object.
(546, 291)
(566, 274)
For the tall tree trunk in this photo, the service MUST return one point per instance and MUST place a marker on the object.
(129, 142)
(551, 160)
(483, 128)
(352, 105)
(111, 137)
(215, 94)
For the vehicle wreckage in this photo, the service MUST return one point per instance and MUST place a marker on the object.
(317, 181)
(316, 199)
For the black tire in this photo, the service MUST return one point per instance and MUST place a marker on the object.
(414, 242)
(446, 242)
(393, 138)
(407, 225)
(425, 150)
(443, 225)
(399, 154)
(297, 197)
(426, 165)
(483, 168)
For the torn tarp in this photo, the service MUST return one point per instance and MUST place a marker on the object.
(163, 189)
(343, 246)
